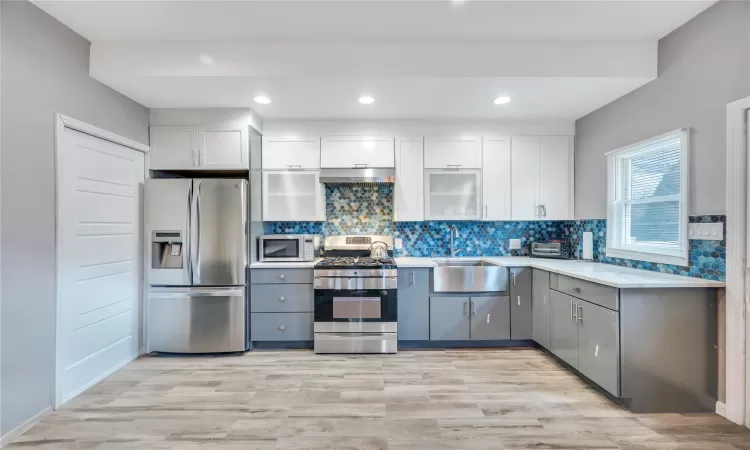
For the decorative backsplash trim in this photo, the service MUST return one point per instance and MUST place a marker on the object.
(369, 210)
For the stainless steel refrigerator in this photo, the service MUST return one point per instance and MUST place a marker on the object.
(197, 265)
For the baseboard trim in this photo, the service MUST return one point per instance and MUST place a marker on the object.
(24, 427)
(96, 380)
(721, 409)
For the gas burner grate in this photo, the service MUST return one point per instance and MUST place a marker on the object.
(345, 261)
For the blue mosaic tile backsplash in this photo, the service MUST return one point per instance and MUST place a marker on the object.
(369, 210)
(707, 259)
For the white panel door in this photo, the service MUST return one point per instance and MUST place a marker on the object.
(290, 196)
(100, 260)
(496, 176)
(556, 177)
(409, 187)
(356, 151)
(460, 152)
(284, 152)
(224, 147)
(524, 160)
(453, 194)
(173, 147)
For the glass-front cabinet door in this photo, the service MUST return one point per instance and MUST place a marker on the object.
(453, 194)
(293, 196)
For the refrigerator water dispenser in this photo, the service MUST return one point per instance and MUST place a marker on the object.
(166, 250)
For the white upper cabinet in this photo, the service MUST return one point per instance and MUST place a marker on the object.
(199, 139)
(291, 152)
(459, 153)
(223, 146)
(453, 194)
(356, 151)
(556, 177)
(173, 147)
(496, 178)
(295, 195)
(408, 191)
(525, 178)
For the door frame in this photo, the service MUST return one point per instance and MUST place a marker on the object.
(737, 406)
(61, 123)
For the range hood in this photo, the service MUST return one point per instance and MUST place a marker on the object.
(358, 176)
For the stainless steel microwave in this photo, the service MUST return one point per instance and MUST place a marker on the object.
(289, 247)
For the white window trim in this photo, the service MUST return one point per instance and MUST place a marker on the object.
(681, 256)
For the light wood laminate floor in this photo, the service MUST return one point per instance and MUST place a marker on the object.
(475, 399)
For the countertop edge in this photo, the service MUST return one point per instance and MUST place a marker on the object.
(689, 282)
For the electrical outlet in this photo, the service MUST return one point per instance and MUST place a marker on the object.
(515, 244)
(398, 243)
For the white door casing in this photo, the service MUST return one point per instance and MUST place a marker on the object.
(99, 258)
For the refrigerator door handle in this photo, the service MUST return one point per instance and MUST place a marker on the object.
(198, 234)
(234, 292)
(189, 248)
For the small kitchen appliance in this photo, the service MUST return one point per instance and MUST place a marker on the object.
(356, 297)
(288, 247)
(551, 249)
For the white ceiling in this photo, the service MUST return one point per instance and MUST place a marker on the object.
(331, 98)
(419, 59)
(373, 21)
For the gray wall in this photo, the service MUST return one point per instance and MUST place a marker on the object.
(703, 65)
(44, 70)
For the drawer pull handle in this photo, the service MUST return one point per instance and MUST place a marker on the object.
(282, 327)
(282, 276)
(282, 298)
(576, 289)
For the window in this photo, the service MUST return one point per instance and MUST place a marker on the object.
(647, 200)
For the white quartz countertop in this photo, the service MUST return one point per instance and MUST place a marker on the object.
(607, 274)
(284, 265)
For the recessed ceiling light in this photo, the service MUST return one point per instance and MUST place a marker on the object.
(503, 99)
(206, 59)
(366, 100)
(262, 100)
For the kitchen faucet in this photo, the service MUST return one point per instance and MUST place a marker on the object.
(454, 231)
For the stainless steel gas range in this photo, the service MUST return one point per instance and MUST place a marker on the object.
(355, 297)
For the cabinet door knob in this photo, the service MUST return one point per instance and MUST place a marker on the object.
(281, 327)
(282, 298)
(576, 289)
(282, 276)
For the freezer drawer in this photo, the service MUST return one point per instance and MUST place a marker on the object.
(197, 320)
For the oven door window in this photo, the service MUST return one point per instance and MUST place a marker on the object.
(281, 248)
(371, 305)
(356, 308)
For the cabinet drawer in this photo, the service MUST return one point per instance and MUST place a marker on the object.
(281, 327)
(599, 294)
(281, 276)
(281, 298)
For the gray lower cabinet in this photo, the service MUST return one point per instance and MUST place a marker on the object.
(564, 329)
(520, 303)
(540, 307)
(490, 318)
(598, 349)
(281, 298)
(449, 319)
(413, 304)
(281, 327)
(281, 305)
